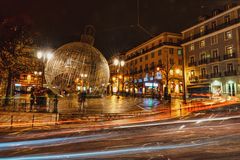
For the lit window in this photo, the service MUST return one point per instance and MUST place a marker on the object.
(202, 29)
(202, 43)
(229, 50)
(192, 47)
(192, 73)
(228, 35)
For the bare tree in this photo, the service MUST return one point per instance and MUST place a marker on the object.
(165, 69)
(15, 42)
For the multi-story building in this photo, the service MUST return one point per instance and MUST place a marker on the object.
(212, 53)
(153, 64)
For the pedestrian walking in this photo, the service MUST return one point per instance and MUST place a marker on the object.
(32, 101)
(83, 97)
(55, 100)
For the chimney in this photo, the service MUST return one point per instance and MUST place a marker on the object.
(202, 18)
(228, 5)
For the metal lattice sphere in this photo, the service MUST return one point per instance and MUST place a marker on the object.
(77, 66)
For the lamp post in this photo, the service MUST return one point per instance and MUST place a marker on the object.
(44, 56)
(118, 63)
(37, 74)
(184, 78)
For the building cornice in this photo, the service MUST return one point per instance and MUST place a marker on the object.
(169, 34)
(212, 18)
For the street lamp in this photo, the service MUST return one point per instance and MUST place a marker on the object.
(118, 63)
(36, 73)
(83, 76)
(44, 56)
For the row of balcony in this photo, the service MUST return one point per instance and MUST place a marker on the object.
(211, 30)
(213, 75)
(151, 68)
(152, 48)
(213, 59)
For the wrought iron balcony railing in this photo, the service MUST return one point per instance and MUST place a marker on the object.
(204, 76)
(229, 56)
(230, 73)
(216, 75)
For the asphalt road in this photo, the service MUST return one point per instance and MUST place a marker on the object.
(202, 136)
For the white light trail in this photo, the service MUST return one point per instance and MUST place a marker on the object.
(180, 122)
(52, 141)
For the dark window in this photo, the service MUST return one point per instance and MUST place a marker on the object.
(171, 61)
(159, 62)
(214, 24)
(146, 66)
(179, 61)
(230, 67)
(159, 52)
(203, 56)
(215, 69)
(192, 60)
(215, 53)
(152, 54)
(203, 71)
(146, 57)
(140, 59)
(214, 39)
(152, 64)
(171, 50)
(135, 61)
(227, 19)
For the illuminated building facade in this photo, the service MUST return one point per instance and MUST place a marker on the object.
(212, 51)
(143, 72)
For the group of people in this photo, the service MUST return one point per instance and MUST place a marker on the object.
(40, 99)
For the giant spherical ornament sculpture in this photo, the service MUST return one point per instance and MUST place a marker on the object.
(75, 67)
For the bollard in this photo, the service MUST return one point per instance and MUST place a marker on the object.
(11, 121)
(56, 119)
(25, 105)
(32, 120)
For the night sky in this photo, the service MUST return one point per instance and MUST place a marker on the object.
(115, 21)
